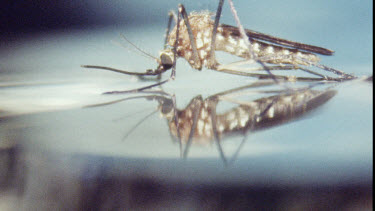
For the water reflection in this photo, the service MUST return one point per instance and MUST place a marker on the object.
(254, 107)
(45, 180)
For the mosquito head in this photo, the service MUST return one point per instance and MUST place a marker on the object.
(166, 59)
(166, 106)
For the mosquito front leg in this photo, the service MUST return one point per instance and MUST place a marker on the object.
(171, 16)
(182, 12)
(173, 73)
(175, 119)
(196, 111)
(212, 102)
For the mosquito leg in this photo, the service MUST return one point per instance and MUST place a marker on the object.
(173, 73)
(278, 67)
(236, 65)
(197, 108)
(314, 73)
(344, 75)
(235, 155)
(212, 104)
(247, 41)
(326, 68)
(250, 127)
(232, 67)
(171, 15)
(212, 61)
(246, 72)
(176, 123)
(182, 12)
(260, 83)
(256, 75)
(337, 72)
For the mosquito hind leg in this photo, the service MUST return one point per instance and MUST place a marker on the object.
(248, 42)
(335, 71)
(297, 59)
(250, 73)
(343, 76)
(212, 102)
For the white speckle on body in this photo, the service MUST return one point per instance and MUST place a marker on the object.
(220, 37)
(203, 54)
(232, 125)
(221, 127)
(271, 112)
(270, 50)
(188, 113)
(232, 41)
(256, 47)
(207, 130)
(286, 52)
(244, 120)
(229, 48)
(200, 126)
(231, 116)
(204, 114)
(199, 42)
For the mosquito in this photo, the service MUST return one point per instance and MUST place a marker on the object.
(196, 37)
(200, 122)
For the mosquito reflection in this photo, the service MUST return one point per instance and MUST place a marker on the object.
(200, 122)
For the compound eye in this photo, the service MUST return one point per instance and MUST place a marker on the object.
(166, 58)
(167, 106)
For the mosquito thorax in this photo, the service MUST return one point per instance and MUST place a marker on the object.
(166, 58)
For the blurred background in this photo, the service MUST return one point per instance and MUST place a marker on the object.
(55, 154)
